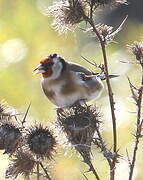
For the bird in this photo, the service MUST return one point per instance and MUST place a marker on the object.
(66, 83)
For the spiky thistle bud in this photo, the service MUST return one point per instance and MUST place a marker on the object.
(79, 124)
(10, 137)
(137, 49)
(6, 112)
(41, 141)
(97, 3)
(23, 163)
(106, 32)
(67, 14)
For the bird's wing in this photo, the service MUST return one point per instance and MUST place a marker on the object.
(78, 68)
(90, 82)
(85, 77)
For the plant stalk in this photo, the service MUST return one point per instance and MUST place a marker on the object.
(111, 98)
(47, 175)
(138, 130)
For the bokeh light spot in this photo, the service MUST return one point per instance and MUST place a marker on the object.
(13, 50)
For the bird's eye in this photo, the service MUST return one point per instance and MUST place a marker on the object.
(52, 55)
(49, 64)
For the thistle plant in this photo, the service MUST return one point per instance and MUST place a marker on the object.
(10, 137)
(80, 124)
(6, 112)
(30, 148)
(22, 163)
(27, 147)
(104, 34)
(67, 14)
(40, 141)
(137, 50)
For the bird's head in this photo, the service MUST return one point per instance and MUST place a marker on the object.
(51, 66)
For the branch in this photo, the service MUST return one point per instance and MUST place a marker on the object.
(24, 119)
(47, 175)
(110, 93)
(138, 127)
(91, 167)
(38, 174)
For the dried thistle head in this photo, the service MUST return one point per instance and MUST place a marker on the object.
(79, 123)
(94, 5)
(97, 3)
(6, 112)
(10, 137)
(41, 141)
(137, 49)
(106, 32)
(67, 14)
(23, 163)
(134, 91)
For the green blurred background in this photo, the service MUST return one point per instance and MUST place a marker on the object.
(26, 36)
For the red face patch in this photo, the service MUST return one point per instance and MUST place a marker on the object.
(47, 74)
(45, 60)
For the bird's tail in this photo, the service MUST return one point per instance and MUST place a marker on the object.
(103, 76)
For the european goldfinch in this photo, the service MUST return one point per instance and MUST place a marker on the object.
(66, 83)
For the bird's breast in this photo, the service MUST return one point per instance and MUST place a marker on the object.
(62, 94)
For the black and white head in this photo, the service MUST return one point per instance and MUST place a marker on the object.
(51, 67)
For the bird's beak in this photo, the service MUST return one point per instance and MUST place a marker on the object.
(39, 69)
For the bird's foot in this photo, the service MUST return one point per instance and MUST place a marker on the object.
(79, 103)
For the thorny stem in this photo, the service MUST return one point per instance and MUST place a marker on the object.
(88, 162)
(94, 171)
(47, 175)
(85, 176)
(38, 174)
(25, 116)
(110, 93)
(138, 130)
(86, 159)
(102, 146)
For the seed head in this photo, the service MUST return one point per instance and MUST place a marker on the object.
(79, 123)
(10, 137)
(106, 32)
(67, 14)
(41, 141)
(97, 3)
(137, 49)
(22, 164)
(6, 112)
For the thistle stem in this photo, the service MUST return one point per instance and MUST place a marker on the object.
(94, 171)
(86, 157)
(111, 98)
(138, 130)
(88, 162)
(47, 175)
(38, 175)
